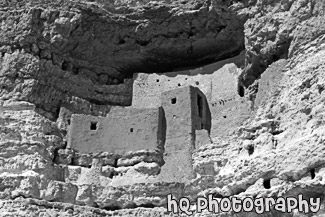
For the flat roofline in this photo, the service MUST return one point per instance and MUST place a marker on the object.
(189, 87)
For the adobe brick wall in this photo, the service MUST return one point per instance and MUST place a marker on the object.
(228, 109)
(147, 88)
(121, 131)
(182, 119)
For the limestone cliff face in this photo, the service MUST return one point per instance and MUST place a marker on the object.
(80, 56)
(83, 54)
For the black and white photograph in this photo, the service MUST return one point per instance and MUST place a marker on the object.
(162, 108)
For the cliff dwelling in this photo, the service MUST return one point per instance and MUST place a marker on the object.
(170, 127)
(112, 108)
(156, 139)
(172, 114)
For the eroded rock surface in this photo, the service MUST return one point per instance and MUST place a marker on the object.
(82, 54)
(59, 58)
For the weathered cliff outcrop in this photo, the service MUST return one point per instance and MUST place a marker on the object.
(64, 57)
(276, 30)
(58, 53)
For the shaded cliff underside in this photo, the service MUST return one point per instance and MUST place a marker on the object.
(62, 52)
(81, 56)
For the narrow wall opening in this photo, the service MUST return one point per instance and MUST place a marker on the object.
(200, 105)
(312, 173)
(241, 90)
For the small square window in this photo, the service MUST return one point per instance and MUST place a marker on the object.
(93, 125)
(173, 100)
(131, 130)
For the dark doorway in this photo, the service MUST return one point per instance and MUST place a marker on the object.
(241, 90)
(200, 105)
(312, 173)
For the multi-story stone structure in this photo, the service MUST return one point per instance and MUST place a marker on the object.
(170, 127)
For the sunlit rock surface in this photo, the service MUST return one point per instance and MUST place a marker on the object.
(77, 57)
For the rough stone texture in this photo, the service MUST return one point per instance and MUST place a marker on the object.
(278, 29)
(62, 52)
(202, 137)
(269, 83)
(81, 56)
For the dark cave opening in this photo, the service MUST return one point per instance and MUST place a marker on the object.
(267, 183)
(147, 205)
(65, 65)
(250, 150)
(112, 208)
(312, 173)
(162, 63)
(130, 205)
(115, 162)
(241, 90)
(217, 195)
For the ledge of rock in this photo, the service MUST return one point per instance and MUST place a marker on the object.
(233, 93)
(55, 53)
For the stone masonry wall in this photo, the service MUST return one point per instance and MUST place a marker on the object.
(180, 111)
(147, 88)
(228, 109)
(132, 130)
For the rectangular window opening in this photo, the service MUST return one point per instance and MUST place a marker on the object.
(173, 101)
(93, 125)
